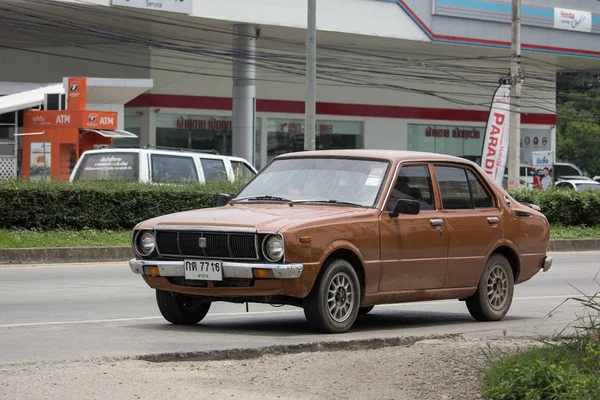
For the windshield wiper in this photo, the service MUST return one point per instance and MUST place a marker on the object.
(265, 197)
(337, 202)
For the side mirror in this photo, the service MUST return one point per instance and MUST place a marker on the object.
(405, 206)
(223, 199)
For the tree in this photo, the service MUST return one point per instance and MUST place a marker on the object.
(578, 129)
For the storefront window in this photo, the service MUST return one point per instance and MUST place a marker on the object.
(461, 141)
(285, 136)
(200, 133)
(533, 140)
(132, 123)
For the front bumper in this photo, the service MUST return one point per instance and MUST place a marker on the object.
(547, 263)
(230, 269)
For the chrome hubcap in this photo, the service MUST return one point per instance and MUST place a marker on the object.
(340, 297)
(497, 288)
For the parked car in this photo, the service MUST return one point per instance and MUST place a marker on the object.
(339, 232)
(563, 170)
(574, 178)
(525, 176)
(578, 185)
(156, 165)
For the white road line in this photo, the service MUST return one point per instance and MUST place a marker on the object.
(234, 314)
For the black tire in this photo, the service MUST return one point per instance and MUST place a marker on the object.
(180, 309)
(498, 277)
(340, 276)
(365, 310)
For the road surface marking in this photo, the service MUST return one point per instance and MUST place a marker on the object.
(233, 314)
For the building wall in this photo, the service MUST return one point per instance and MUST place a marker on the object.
(464, 90)
(52, 64)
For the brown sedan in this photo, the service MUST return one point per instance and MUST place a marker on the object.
(338, 232)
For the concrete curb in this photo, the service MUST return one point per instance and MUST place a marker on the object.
(568, 245)
(56, 255)
(313, 347)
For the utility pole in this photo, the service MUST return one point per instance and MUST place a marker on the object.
(311, 77)
(516, 76)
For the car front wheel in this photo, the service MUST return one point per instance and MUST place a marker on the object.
(494, 294)
(180, 309)
(333, 304)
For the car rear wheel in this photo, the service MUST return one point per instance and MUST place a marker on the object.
(494, 295)
(333, 304)
(180, 309)
(365, 310)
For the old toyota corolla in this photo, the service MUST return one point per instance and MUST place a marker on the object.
(338, 232)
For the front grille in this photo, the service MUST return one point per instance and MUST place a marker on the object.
(229, 246)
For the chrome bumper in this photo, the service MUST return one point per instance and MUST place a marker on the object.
(547, 263)
(230, 269)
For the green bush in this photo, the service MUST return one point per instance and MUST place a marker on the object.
(99, 205)
(565, 207)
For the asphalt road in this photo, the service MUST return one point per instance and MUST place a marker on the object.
(52, 313)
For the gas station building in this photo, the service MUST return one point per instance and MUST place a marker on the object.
(228, 75)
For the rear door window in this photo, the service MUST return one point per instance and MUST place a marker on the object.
(167, 168)
(565, 170)
(214, 169)
(109, 166)
(454, 188)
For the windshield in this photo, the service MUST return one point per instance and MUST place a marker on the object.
(109, 165)
(587, 186)
(349, 180)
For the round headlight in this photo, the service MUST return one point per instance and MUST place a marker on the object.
(274, 248)
(147, 243)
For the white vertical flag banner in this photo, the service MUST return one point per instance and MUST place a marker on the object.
(495, 145)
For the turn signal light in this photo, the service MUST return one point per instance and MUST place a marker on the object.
(262, 273)
(305, 239)
(152, 271)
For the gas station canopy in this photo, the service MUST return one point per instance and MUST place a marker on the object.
(99, 91)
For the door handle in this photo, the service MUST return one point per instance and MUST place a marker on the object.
(493, 220)
(436, 222)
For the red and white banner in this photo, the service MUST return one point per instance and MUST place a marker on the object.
(495, 145)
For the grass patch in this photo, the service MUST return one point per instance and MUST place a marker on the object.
(63, 238)
(91, 237)
(565, 370)
(574, 232)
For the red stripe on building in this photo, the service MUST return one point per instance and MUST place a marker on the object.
(339, 109)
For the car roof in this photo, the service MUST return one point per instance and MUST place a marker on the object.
(165, 152)
(394, 155)
(577, 181)
(574, 178)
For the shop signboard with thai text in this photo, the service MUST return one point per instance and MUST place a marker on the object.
(542, 159)
(211, 124)
(495, 143)
(455, 140)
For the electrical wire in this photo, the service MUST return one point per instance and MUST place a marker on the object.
(342, 67)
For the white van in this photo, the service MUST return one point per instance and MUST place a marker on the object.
(160, 166)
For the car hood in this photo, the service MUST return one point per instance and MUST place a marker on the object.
(258, 216)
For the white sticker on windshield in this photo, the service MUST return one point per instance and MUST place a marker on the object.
(374, 178)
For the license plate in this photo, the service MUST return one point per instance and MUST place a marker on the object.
(203, 270)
